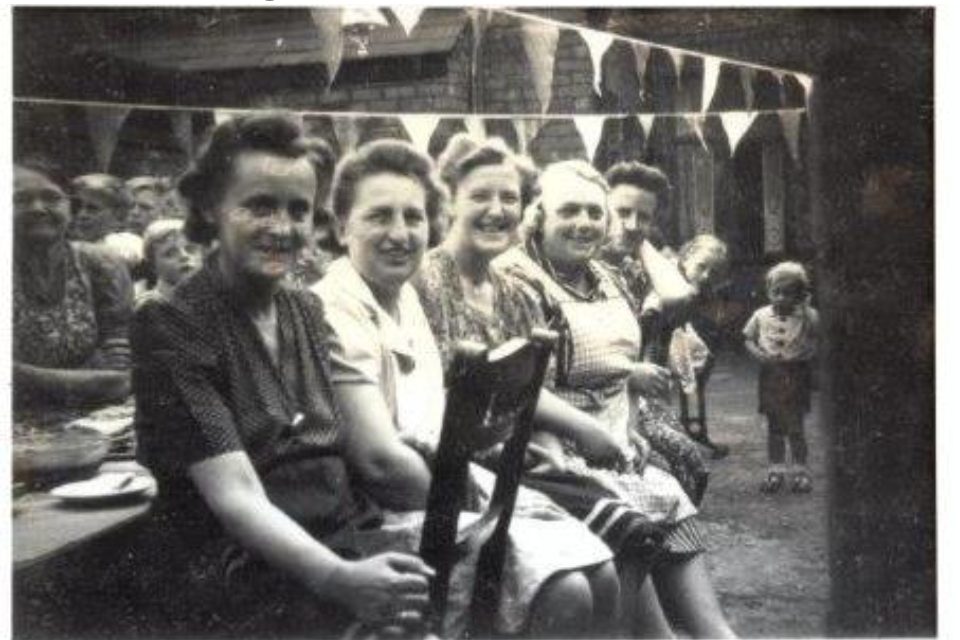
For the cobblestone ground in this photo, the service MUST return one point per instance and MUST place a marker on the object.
(768, 554)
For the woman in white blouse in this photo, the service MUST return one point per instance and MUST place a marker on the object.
(388, 379)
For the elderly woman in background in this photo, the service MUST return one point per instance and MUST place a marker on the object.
(268, 491)
(101, 211)
(71, 304)
(388, 376)
(598, 371)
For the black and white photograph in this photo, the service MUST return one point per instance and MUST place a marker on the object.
(409, 322)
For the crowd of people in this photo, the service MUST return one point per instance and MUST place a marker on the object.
(285, 321)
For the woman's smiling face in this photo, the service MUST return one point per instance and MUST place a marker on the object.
(41, 210)
(265, 214)
(386, 230)
(575, 219)
(486, 208)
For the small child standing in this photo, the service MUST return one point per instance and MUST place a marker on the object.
(783, 337)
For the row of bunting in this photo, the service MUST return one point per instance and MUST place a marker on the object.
(106, 121)
(540, 37)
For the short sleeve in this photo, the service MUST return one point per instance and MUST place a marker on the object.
(113, 305)
(354, 351)
(182, 416)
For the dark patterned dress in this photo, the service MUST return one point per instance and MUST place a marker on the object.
(205, 385)
(81, 322)
(451, 318)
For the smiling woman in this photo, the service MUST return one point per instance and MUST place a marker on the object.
(71, 304)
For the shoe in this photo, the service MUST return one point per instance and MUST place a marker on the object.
(801, 483)
(773, 483)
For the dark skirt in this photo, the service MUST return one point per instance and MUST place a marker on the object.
(785, 387)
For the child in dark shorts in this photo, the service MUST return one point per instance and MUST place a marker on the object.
(783, 337)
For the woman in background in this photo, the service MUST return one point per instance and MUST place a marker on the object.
(71, 304)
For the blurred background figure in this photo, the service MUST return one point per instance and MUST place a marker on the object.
(101, 210)
(147, 194)
(71, 303)
(168, 258)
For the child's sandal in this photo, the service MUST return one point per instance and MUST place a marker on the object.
(802, 483)
(773, 483)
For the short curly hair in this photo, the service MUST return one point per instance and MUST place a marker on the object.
(203, 186)
(641, 176)
(393, 157)
(463, 154)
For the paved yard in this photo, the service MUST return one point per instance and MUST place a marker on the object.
(768, 553)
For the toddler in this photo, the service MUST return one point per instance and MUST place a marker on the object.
(783, 337)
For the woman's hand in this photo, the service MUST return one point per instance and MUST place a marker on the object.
(387, 589)
(599, 448)
(650, 379)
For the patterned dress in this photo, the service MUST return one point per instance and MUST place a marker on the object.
(599, 344)
(205, 385)
(83, 325)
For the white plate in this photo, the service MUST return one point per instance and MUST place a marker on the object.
(104, 487)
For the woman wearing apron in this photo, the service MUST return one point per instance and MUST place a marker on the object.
(597, 370)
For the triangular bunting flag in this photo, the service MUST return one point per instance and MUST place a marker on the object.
(420, 127)
(791, 131)
(590, 129)
(696, 124)
(711, 74)
(807, 83)
(329, 23)
(646, 123)
(345, 128)
(408, 17)
(747, 76)
(527, 130)
(181, 123)
(677, 57)
(735, 125)
(597, 42)
(475, 127)
(540, 45)
(641, 52)
(104, 124)
(358, 16)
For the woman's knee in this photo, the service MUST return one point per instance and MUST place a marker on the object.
(605, 588)
(564, 607)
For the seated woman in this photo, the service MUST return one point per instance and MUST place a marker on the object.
(388, 376)
(597, 371)
(71, 304)
(263, 487)
(101, 211)
(169, 257)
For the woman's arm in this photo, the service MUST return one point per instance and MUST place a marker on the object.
(556, 416)
(396, 475)
(375, 589)
(665, 278)
(72, 387)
